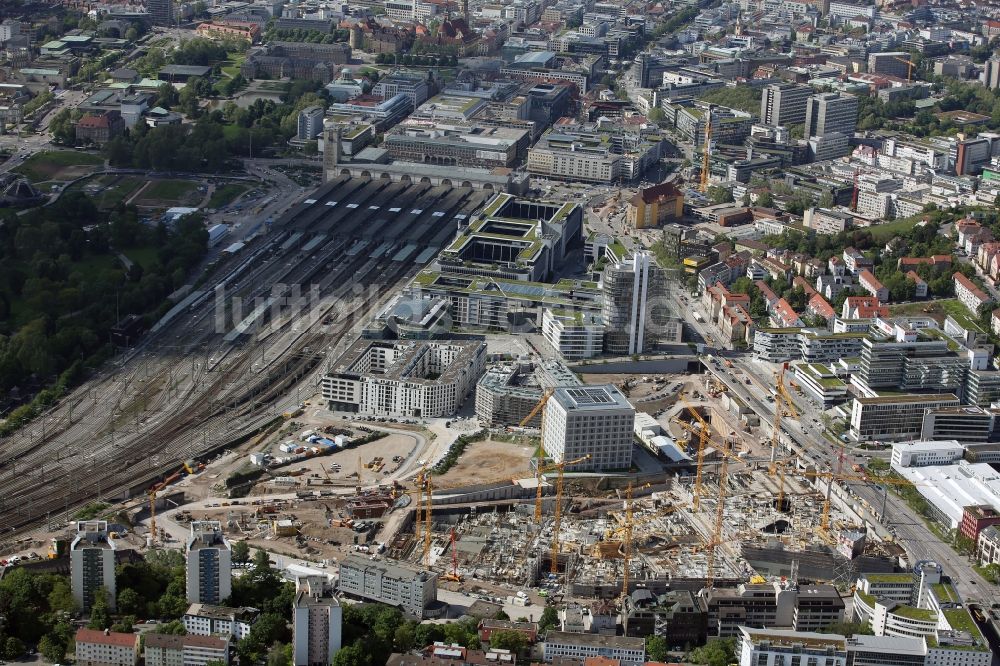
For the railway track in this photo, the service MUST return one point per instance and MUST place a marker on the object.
(155, 445)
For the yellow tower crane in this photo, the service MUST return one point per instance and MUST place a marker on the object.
(727, 454)
(557, 514)
(909, 67)
(783, 406)
(541, 470)
(539, 407)
(704, 434)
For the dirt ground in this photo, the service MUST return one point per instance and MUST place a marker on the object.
(488, 461)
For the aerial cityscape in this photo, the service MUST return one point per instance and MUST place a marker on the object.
(471, 332)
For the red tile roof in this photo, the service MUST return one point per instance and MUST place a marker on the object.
(111, 638)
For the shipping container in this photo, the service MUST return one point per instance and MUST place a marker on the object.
(306, 435)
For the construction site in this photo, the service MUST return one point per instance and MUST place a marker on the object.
(740, 512)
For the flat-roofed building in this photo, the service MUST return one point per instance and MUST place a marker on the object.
(628, 651)
(894, 417)
(209, 563)
(405, 378)
(455, 145)
(769, 647)
(92, 563)
(409, 589)
(594, 421)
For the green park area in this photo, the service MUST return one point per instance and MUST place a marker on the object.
(58, 165)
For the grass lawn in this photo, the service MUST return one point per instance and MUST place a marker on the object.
(225, 194)
(169, 190)
(57, 165)
(119, 192)
(144, 256)
(883, 232)
(936, 309)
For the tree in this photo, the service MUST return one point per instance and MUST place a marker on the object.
(501, 615)
(656, 648)
(100, 612)
(130, 602)
(62, 127)
(765, 200)
(13, 649)
(352, 655)
(549, 619)
(241, 552)
(657, 115)
(991, 572)
(718, 194)
(514, 641)
(718, 652)
(280, 654)
(53, 649)
(172, 628)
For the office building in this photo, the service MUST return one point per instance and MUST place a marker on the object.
(310, 123)
(595, 421)
(924, 363)
(926, 453)
(574, 334)
(411, 590)
(991, 73)
(771, 647)
(316, 623)
(516, 239)
(654, 206)
(828, 113)
(963, 424)
(784, 104)
(457, 145)
(885, 650)
(628, 651)
(209, 563)
(817, 607)
(412, 378)
(209, 620)
(508, 393)
(891, 63)
(751, 605)
(894, 417)
(92, 563)
(106, 648)
(413, 86)
(191, 650)
(636, 306)
(921, 605)
(161, 12)
(677, 615)
(592, 153)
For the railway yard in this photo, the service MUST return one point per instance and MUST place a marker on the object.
(234, 354)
